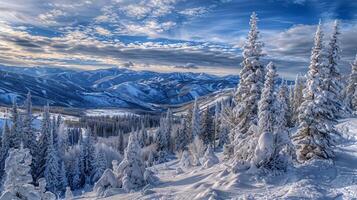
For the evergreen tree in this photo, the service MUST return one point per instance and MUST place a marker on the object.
(351, 90)
(131, 169)
(29, 136)
(62, 179)
(284, 95)
(251, 82)
(16, 127)
(181, 140)
(51, 173)
(207, 123)
(43, 143)
(313, 136)
(100, 165)
(87, 158)
(298, 97)
(332, 79)
(5, 146)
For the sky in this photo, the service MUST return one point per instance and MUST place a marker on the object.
(169, 35)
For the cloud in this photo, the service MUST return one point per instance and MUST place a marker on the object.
(128, 64)
(192, 12)
(187, 66)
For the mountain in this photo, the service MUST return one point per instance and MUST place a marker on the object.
(108, 88)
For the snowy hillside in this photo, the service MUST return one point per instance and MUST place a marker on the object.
(114, 87)
(314, 180)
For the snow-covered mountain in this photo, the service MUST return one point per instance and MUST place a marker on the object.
(114, 87)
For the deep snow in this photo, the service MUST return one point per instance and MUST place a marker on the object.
(318, 179)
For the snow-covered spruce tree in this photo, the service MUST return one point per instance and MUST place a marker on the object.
(244, 114)
(332, 80)
(100, 165)
(76, 174)
(181, 140)
(87, 159)
(131, 169)
(207, 128)
(284, 95)
(29, 136)
(264, 141)
(223, 129)
(52, 168)
(196, 120)
(16, 127)
(161, 137)
(5, 146)
(312, 139)
(351, 90)
(43, 143)
(62, 178)
(143, 135)
(298, 97)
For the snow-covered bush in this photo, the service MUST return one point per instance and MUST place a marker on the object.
(197, 150)
(108, 181)
(68, 195)
(209, 159)
(185, 160)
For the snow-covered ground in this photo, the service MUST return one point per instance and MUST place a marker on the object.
(315, 180)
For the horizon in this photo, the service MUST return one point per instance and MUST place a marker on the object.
(169, 35)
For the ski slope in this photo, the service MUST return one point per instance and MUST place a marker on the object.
(318, 179)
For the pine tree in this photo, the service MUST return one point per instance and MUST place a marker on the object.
(251, 82)
(207, 128)
(284, 95)
(298, 97)
(5, 146)
(100, 165)
(51, 173)
(43, 143)
(351, 90)
(131, 169)
(16, 127)
(87, 159)
(332, 79)
(76, 174)
(29, 136)
(62, 179)
(181, 140)
(313, 136)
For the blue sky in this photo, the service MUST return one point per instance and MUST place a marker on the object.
(168, 35)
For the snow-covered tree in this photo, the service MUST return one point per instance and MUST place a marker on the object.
(196, 120)
(181, 140)
(265, 139)
(16, 127)
(43, 143)
(101, 165)
(52, 169)
(312, 139)
(298, 97)
(68, 194)
(17, 185)
(87, 158)
(62, 179)
(5, 146)
(29, 136)
(131, 170)
(18, 177)
(284, 96)
(351, 90)
(251, 82)
(332, 79)
(207, 128)
(76, 174)
(209, 159)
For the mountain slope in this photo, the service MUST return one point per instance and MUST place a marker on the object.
(114, 87)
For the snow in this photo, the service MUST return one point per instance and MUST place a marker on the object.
(319, 179)
(107, 112)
